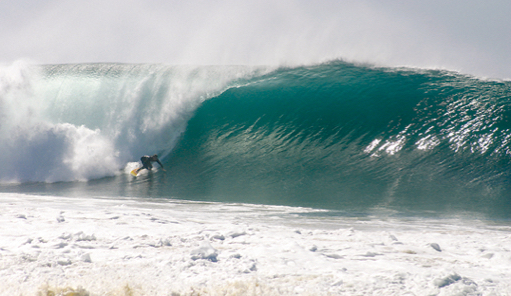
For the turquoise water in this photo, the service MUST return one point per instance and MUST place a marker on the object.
(336, 135)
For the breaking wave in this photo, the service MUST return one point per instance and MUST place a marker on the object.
(329, 135)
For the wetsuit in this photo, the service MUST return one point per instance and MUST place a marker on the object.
(147, 162)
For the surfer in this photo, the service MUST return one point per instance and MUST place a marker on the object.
(147, 163)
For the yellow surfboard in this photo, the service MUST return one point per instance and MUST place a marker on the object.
(134, 172)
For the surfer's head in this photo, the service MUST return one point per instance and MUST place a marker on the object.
(154, 156)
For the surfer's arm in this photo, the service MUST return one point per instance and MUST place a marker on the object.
(158, 161)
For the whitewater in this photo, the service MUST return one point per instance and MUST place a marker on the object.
(324, 179)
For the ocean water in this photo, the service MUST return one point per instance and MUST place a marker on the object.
(326, 179)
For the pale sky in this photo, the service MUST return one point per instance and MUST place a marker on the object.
(470, 36)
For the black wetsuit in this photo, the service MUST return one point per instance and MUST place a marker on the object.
(147, 162)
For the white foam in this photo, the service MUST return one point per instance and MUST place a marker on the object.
(60, 152)
(154, 247)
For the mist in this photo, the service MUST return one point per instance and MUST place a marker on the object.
(467, 36)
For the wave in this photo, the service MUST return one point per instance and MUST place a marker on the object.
(338, 134)
(332, 135)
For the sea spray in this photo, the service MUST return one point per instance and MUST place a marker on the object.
(37, 149)
(82, 122)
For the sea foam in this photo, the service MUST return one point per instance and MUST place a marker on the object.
(155, 247)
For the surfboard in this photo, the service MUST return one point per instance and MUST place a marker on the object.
(134, 172)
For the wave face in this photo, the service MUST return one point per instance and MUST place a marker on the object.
(338, 135)
(334, 135)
